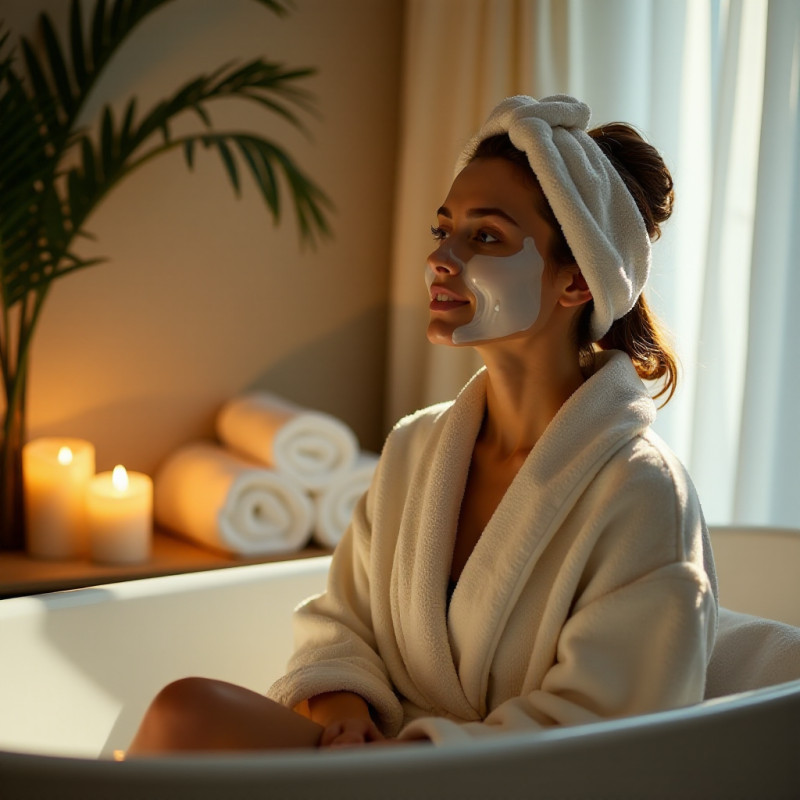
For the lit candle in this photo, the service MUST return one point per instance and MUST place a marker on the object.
(119, 508)
(56, 473)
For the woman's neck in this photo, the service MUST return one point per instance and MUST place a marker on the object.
(527, 385)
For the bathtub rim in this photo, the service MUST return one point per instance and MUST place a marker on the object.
(663, 754)
(731, 707)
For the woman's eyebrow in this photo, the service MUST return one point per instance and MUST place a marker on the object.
(443, 211)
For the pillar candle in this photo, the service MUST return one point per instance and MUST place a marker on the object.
(56, 472)
(119, 507)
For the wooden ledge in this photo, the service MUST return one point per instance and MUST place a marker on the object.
(22, 575)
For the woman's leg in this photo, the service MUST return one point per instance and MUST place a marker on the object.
(195, 714)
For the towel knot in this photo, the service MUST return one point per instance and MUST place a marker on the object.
(558, 111)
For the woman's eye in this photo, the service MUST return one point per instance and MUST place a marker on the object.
(484, 237)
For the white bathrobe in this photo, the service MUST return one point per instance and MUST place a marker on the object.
(590, 594)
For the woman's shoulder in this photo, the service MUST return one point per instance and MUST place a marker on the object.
(471, 400)
(646, 470)
(653, 458)
(414, 430)
(423, 418)
(650, 493)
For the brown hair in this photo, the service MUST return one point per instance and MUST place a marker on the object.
(639, 333)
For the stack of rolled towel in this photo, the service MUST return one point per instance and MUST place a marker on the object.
(279, 476)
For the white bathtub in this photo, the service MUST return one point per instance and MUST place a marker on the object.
(78, 668)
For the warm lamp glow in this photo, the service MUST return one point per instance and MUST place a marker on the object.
(119, 478)
(64, 456)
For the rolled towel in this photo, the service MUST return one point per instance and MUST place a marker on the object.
(310, 447)
(224, 502)
(333, 506)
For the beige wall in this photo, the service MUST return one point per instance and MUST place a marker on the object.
(202, 297)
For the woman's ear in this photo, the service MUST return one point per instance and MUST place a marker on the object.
(576, 292)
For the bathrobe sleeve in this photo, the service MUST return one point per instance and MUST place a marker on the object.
(641, 625)
(335, 644)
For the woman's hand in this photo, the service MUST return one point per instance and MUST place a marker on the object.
(350, 732)
(345, 720)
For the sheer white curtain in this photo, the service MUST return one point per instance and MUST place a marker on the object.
(714, 84)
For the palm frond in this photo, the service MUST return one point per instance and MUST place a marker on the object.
(43, 207)
(77, 47)
(280, 7)
(25, 170)
(188, 152)
(127, 125)
(266, 83)
(308, 198)
(264, 159)
(58, 67)
(64, 87)
(41, 98)
(109, 28)
(107, 144)
(263, 174)
(98, 37)
(229, 164)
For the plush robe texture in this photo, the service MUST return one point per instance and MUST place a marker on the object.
(590, 594)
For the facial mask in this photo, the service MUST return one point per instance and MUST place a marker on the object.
(508, 293)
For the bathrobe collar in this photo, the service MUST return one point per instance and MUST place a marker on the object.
(450, 653)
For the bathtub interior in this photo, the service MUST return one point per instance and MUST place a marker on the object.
(79, 667)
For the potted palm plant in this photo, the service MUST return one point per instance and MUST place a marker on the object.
(54, 174)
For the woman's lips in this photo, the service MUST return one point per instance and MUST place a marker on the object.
(443, 299)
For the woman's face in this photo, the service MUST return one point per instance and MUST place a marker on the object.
(487, 276)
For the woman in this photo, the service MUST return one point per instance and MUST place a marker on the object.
(530, 554)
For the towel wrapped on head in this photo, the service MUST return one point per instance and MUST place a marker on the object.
(227, 503)
(598, 215)
(311, 447)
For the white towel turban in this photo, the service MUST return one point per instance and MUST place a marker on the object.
(599, 217)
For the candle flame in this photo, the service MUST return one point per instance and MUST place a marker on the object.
(119, 478)
(64, 455)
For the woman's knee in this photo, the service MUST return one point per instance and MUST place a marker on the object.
(177, 716)
(207, 714)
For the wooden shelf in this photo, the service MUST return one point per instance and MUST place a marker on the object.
(22, 575)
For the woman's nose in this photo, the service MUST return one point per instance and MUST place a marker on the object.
(445, 262)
